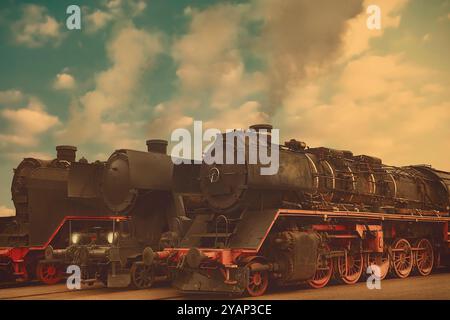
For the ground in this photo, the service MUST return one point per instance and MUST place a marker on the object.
(436, 286)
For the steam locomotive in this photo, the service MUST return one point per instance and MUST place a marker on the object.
(137, 187)
(101, 216)
(325, 214)
(45, 210)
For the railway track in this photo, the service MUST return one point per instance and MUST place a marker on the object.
(35, 292)
(95, 292)
(436, 286)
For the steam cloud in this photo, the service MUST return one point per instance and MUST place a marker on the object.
(299, 36)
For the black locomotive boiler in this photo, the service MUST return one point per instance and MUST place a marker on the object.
(43, 206)
(326, 213)
(323, 178)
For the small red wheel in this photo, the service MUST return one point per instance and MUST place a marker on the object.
(258, 281)
(48, 273)
(324, 271)
(402, 258)
(424, 257)
(350, 268)
(382, 261)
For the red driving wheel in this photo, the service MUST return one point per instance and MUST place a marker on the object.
(402, 258)
(258, 281)
(324, 271)
(48, 273)
(424, 257)
(349, 268)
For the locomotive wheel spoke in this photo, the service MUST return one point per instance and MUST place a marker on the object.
(142, 276)
(349, 268)
(323, 273)
(402, 258)
(48, 273)
(424, 257)
(258, 282)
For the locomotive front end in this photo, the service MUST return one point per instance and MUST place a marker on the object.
(136, 186)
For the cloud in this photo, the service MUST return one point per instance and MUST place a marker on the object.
(216, 29)
(36, 27)
(64, 81)
(6, 212)
(357, 37)
(213, 82)
(378, 108)
(112, 11)
(241, 117)
(132, 52)
(129, 7)
(19, 156)
(174, 117)
(300, 37)
(24, 125)
(11, 96)
(168, 117)
(97, 19)
(326, 84)
(216, 71)
(216, 86)
(119, 135)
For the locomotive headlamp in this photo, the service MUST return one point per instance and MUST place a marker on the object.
(75, 238)
(111, 237)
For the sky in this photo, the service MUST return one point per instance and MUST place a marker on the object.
(140, 69)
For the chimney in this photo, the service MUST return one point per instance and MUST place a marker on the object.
(66, 153)
(157, 145)
(258, 127)
(267, 134)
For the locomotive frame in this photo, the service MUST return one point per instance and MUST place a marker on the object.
(347, 242)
